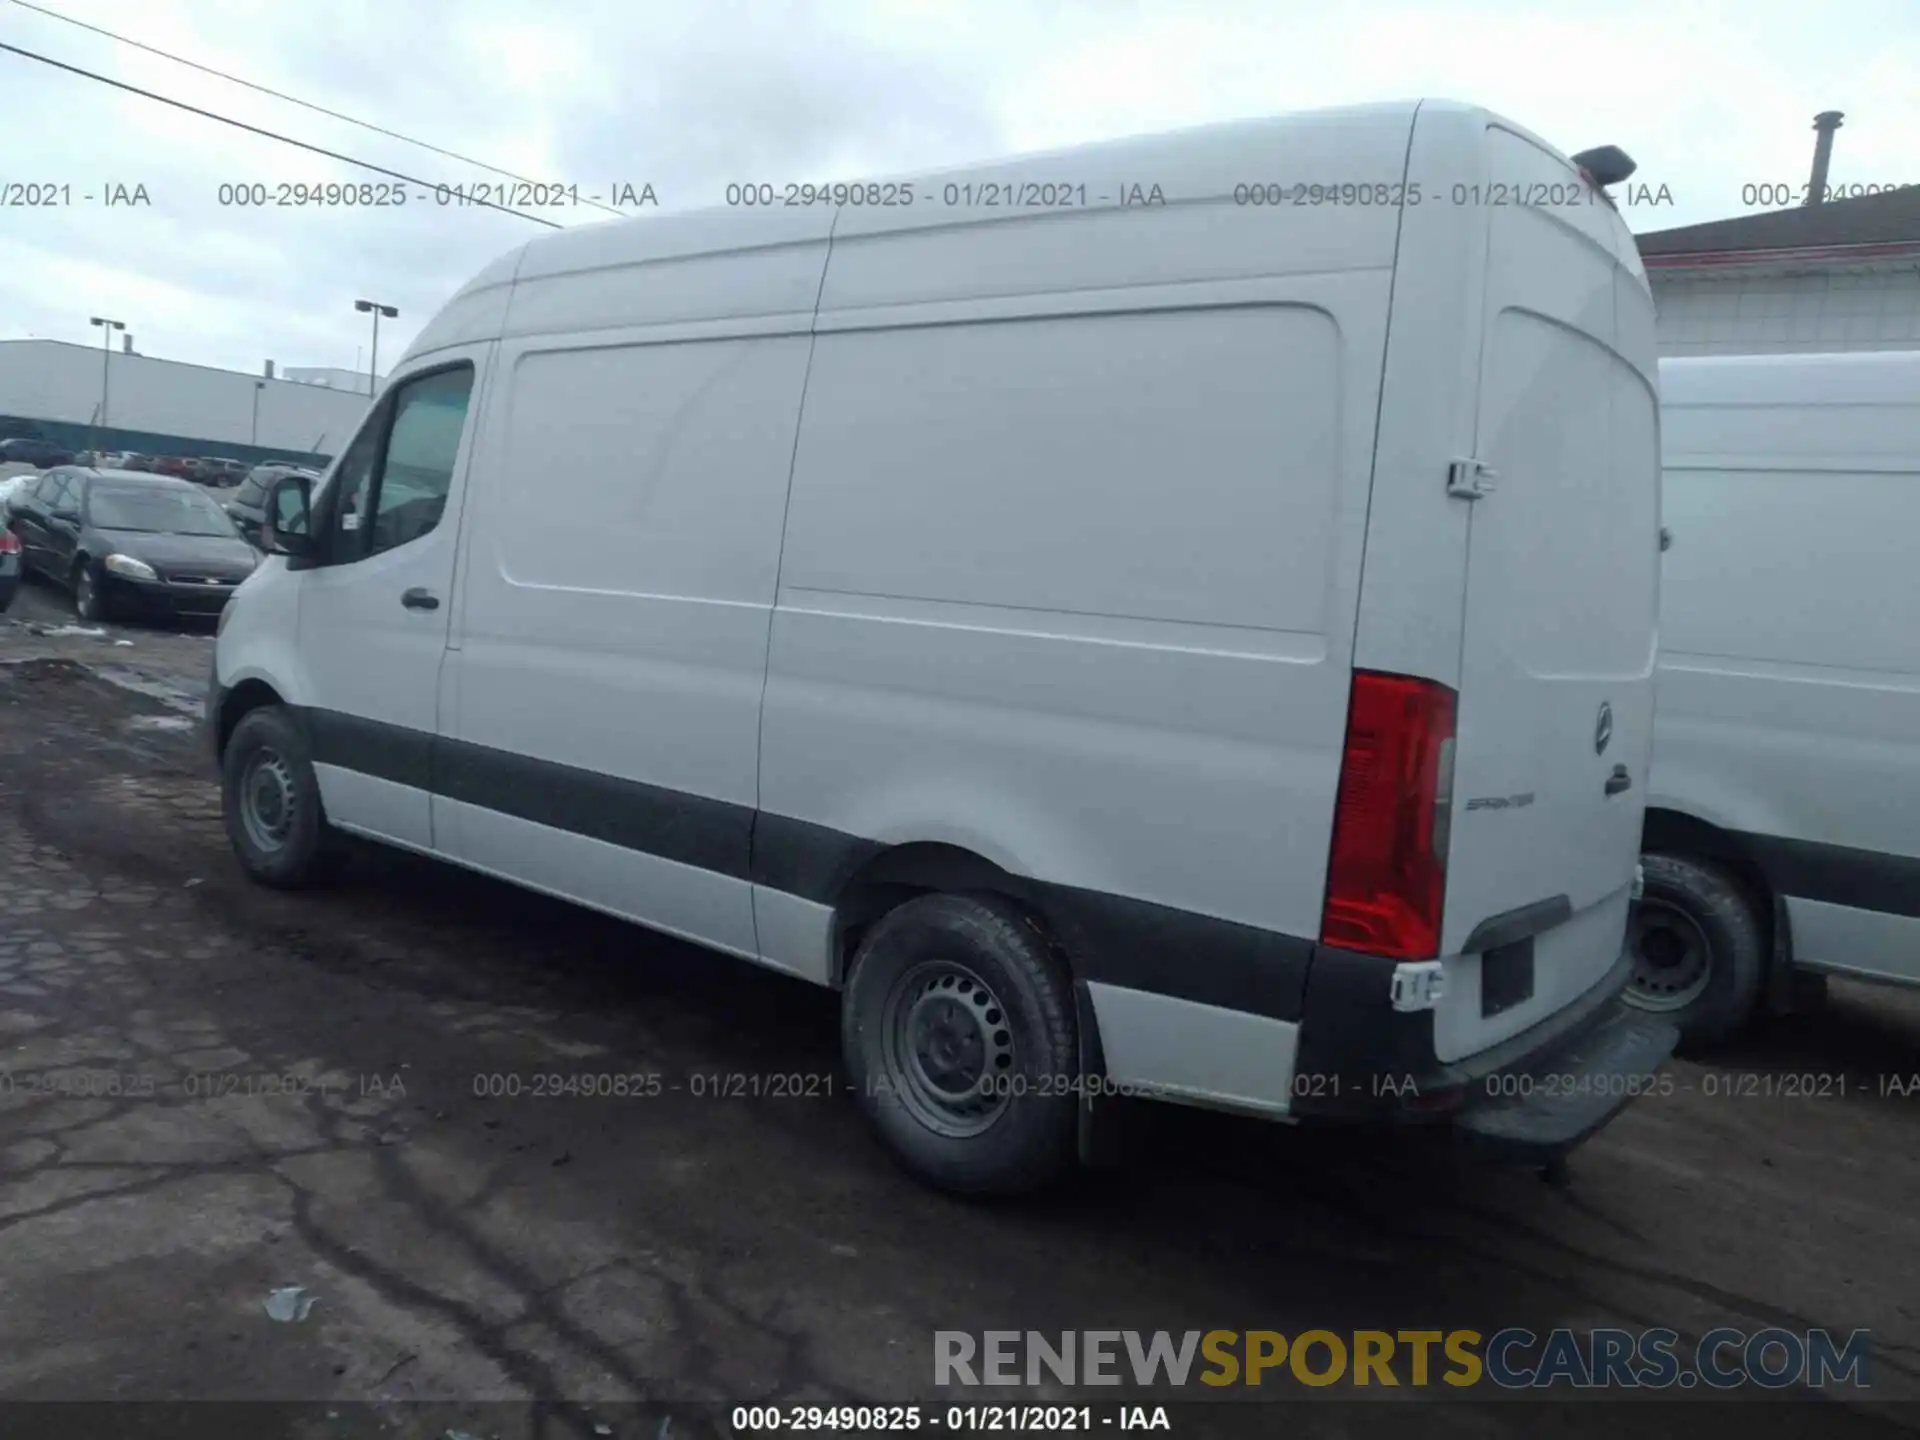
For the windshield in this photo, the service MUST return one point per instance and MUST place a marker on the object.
(156, 509)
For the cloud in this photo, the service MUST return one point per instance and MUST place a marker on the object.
(690, 95)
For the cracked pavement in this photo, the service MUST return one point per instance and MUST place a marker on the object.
(208, 1090)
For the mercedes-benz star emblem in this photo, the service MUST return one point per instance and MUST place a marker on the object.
(1603, 729)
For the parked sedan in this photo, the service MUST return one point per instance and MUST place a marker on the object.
(132, 543)
(180, 467)
(217, 471)
(41, 453)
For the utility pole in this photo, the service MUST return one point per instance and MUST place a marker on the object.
(107, 327)
(373, 360)
(258, 386)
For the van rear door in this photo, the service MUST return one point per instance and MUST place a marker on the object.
(1557, 655)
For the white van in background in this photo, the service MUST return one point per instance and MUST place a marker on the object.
(1783, 828)
(1135, 619)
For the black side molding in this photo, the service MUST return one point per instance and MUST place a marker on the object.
(1512, 926)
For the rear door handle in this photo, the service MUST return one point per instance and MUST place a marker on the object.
(1619, 780)
(420, 599)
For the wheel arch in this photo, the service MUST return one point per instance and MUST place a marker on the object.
(1669, 831)
(249, 695)
(891, 877)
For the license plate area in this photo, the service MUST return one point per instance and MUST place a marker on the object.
(1506, 977)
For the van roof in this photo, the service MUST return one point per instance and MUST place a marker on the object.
(1329, 146)
(1861, 377)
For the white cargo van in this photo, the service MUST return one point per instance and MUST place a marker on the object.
(1783, 828)
(1174, 617)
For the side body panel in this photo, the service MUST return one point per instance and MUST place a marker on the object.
(1789, 691)
(1071, 567)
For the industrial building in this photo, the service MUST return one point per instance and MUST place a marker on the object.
(334, 377)
(1826, 274)
(89, 397)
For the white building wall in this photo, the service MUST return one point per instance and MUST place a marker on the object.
(1760, 314)
(53, 380)
(330, 375)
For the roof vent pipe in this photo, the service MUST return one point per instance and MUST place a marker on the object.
(1825, 123)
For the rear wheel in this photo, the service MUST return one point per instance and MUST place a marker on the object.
(1698, 946)
(271, 803)
(89, 599)
(957, 1027)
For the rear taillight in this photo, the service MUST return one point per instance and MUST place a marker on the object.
(1387, 877)
(9, 543)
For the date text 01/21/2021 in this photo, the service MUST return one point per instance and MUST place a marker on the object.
(953, 195)
(60, 194)
(878, 1419)
(388, 195)
(1545, 195)
(83, 1084)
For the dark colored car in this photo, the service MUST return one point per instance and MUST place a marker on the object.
(246, 508)
(41, 453)
(132, 543)
(180, 467)
(223, 473)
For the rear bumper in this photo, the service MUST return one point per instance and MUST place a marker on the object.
(1532, 1097)
(1544, 1110)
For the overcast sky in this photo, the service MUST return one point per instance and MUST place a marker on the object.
(687, 95)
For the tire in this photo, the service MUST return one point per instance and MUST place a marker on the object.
(1699, 947)
(292, 847)
(89, 598)
(974, 980)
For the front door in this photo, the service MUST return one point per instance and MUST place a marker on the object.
(374, 608)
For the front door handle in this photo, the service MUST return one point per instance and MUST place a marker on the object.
(1619, 780)
(420, 599)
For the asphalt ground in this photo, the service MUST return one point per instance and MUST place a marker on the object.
(209, 1091)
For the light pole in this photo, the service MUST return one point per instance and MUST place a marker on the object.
(258, 386)
(107, 327)
(377, 310)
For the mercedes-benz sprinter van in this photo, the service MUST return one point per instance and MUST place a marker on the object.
(1783, 828)
(1173, 618)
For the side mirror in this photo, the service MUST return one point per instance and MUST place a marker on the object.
(287, 527)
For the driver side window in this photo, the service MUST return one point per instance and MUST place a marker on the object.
(392, 484)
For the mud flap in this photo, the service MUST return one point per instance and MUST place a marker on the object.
(1101, 1131)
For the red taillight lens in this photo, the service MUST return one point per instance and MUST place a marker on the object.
(9, 543)
(1388, 875)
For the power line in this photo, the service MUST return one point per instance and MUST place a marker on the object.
(270, 134)
(292, 99)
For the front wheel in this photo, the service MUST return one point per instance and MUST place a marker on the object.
(1699, 948)
(270, 800)
(958, 1032)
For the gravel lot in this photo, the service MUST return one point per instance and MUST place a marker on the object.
(298, 1106)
